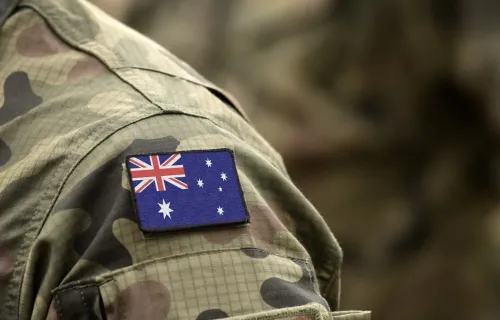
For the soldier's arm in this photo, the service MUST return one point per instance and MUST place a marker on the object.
(283, 264)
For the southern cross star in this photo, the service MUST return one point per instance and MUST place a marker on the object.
(208, 162)
(220, 211)
(223, 176)
(165, 209)
(200, 183)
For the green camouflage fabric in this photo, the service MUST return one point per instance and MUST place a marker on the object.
(386, 114)
(79, 93)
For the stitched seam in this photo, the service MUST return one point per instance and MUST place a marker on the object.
(207, 85)
(184, 255)
(77, 46)
(310, 272)
(333, 279)
(294, 314)
(71, 287)
(83, 299)
(108, 277)
(119, 309)
(49, 16)
(58, 306)
(151, 69)
(311, 309)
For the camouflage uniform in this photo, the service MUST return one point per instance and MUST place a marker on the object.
(81, 92)
(390, 129)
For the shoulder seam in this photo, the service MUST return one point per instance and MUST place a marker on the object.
(76, 46)
(65, 34)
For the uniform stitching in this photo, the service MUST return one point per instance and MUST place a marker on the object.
(49, 16)
(108, 277)
(83, 300)
(58, 306)
(310, 272)
(119, 309)
(184, 255)
(333, 279)
(99, 49)
(307, 267)
(78, 287)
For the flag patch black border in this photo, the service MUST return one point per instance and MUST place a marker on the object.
(152, 231)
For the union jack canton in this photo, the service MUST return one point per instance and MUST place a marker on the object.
(186, 190)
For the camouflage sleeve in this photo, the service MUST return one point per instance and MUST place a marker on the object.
(283, 264)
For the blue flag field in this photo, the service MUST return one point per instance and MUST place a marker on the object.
(186, 190)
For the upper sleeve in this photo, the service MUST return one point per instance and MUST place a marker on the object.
(284, 260)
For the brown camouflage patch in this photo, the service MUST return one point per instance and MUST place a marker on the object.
(263, 226)
(6, 266)
(223, 236)
(143, 300)
(52, 314)
(39, 41)
(283, 217)
(86, 68)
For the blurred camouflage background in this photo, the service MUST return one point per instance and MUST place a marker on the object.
(387, 115)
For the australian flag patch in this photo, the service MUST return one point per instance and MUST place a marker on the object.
(186, 190)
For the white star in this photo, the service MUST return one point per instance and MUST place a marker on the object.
(220, 189)
(223, 176)
(165, 209)
(220, 211)
(200, 183)
(208, 162)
